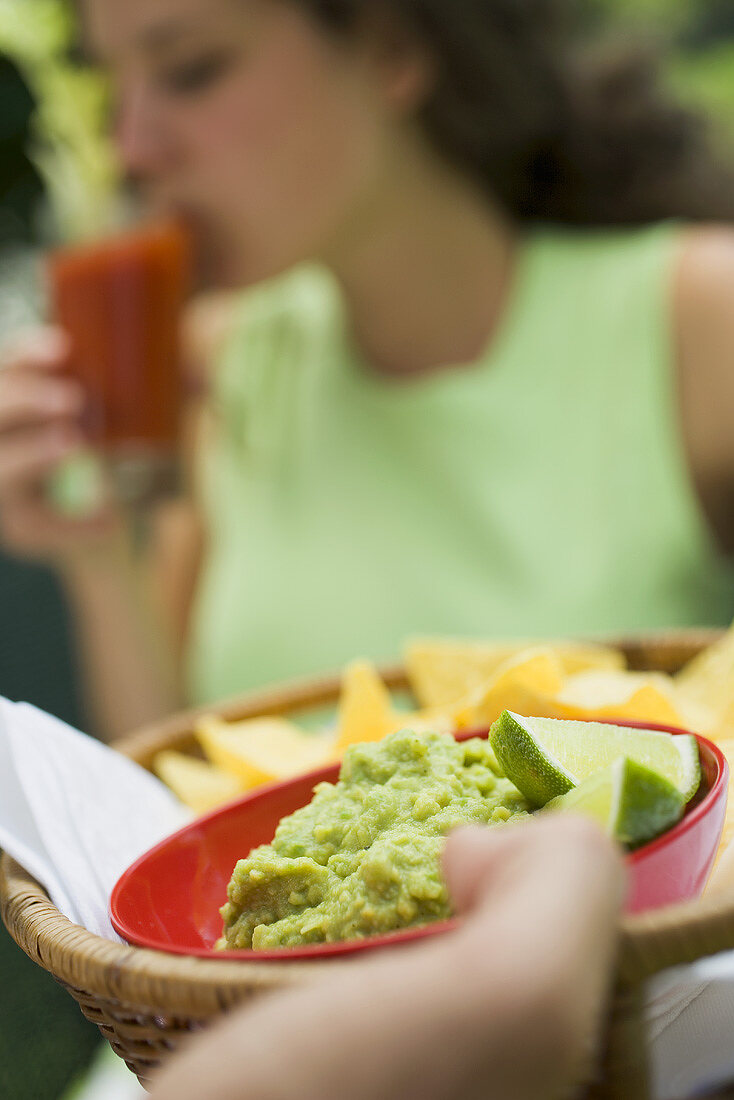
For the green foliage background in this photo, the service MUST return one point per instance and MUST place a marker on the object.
(697, 39)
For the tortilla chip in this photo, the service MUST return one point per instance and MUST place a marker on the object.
(707, 682)
(262, 750)
(526, 683)
(441, 671)
(634, 696)
(199, 785)
(365, 707)
(722, 728)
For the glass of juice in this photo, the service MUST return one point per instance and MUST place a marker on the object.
(120, 301)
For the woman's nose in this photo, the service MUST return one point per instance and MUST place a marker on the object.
(143, 147)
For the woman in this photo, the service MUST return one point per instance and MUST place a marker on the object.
(484, 387)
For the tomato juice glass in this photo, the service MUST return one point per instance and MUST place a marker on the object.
(120, 301)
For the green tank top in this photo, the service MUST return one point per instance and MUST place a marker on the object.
(540, 491)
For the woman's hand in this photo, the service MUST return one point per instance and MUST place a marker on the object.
(40, 412)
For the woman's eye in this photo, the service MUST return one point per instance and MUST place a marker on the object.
(195, 76)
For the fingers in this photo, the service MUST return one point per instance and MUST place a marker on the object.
(548, 894)
(38, 409)
(43, 348)
(27, 398)
(473, 860)
(539, 860)
(27, 457)
(32, 527)
(542, 901)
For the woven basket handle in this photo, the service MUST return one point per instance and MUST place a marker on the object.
(658, 940)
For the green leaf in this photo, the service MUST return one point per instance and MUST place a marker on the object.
(70, 144)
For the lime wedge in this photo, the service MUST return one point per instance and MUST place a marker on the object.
(546, 757)
(630, 802)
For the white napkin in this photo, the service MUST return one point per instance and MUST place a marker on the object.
(690, 1018)
(75, 813)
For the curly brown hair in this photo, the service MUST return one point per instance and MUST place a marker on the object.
(553, 130)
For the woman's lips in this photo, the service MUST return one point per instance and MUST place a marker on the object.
(204, 245)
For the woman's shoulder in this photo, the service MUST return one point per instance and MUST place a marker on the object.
(705, 275)
(704, 341)
(676, 280)
(704, 315)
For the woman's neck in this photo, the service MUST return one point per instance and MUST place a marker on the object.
(426, 272)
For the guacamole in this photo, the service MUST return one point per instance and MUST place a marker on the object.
(364, 856)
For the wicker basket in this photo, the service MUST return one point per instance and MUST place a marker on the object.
(146, 1002)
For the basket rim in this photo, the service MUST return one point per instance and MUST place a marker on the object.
(180, 985)
(118, 971)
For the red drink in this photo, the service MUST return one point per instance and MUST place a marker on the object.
(120, 301)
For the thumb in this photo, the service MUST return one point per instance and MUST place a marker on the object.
(474, 859)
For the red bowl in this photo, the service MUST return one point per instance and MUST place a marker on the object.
(169, 899)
